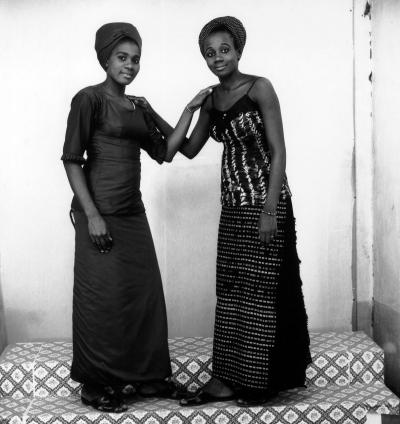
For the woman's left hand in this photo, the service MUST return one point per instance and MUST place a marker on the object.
(199, 98)
(268, 228)
(142, 102)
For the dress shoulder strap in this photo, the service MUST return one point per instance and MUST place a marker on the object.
(252, 84)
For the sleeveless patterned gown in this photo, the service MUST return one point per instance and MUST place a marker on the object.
(261, 339)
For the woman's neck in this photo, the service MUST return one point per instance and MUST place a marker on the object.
(113, 87)
(230, 82)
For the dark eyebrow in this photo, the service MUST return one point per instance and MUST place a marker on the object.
(126, 54)
(222, 44)
(122, 52)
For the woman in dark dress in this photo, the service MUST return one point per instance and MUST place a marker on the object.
(261, 341)
(119, 315)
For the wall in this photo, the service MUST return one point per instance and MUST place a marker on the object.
(3, 335)
(305, 48)
(363, 170)
(386, 106)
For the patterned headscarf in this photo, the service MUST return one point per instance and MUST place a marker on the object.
(231, 24)
(109, 35)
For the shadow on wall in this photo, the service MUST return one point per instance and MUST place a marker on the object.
(3, 335)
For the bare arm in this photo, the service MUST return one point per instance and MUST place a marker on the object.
(200, 133)
(271, 113)
(268, 102)
(98, 231)
(176, 137)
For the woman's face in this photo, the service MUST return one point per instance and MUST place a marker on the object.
(221, 56)
(124, 62)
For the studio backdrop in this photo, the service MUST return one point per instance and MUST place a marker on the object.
(47, 54)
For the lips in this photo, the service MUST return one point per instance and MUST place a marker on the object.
(220, 68)
(127, 75)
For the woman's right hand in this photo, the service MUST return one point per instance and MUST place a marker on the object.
(198, 100)
(143, 102)
(99, 233)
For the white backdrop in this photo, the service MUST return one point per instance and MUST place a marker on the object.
(47, 54)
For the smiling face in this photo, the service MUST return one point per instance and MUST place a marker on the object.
(124, 62)
(220, 53)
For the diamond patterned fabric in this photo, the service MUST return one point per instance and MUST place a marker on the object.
(311, 406)
(42, 369)
(345, 383)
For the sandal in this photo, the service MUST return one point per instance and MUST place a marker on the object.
(128, 393)
(109, 401)
(200, 397)
(255, 398)
(167, 389)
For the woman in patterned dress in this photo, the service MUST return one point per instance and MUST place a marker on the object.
(261, 341)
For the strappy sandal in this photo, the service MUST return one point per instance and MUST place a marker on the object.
(128, 393)
(200, 397)
(167, 389)
(109, 401)
(174, 391)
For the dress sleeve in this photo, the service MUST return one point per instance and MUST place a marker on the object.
(155, 144)
(79, 128)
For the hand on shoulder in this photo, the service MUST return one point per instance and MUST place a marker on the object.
(199, 99)
(142, 102)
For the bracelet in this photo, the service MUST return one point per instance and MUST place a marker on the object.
(189, 109)
(269, 213)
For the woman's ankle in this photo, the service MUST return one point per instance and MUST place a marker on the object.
(217, 387)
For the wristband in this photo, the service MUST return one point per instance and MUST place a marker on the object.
(269, 213)
(189, 109)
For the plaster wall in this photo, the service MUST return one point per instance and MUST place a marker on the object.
(386, 130)
(3, 335)
(304, 48)
(363, 171)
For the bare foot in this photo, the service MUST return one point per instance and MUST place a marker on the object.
(217, 388)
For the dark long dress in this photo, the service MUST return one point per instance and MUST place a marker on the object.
(261, 339)
(119, 314)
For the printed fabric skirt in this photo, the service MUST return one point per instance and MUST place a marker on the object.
(261, 339)
(119, 314)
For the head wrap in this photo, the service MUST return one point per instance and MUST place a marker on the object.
(109, 35)
(229, 23)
